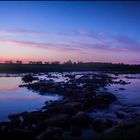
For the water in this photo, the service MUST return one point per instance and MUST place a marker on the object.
(130, 96)
(128, 100)
(15, 100)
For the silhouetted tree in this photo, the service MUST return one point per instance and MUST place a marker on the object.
(55, 62)
(18, 62)
(9, 62)
(74, 63)
(69, 62)
(79, 62)
(38, 62)
(31, 62)
(46, 62)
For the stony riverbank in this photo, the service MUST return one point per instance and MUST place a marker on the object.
(69, 117)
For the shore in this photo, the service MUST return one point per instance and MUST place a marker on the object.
(89, 66)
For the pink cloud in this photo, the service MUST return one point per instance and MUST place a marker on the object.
(98, 43)
(105, 40)
(40, 45)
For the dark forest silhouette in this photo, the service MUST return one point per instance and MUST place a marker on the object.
(39, 66)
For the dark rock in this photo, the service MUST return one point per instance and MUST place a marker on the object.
(22, 132)
(75, 131)
(16, 116)
(123, 82)
(13, 116)
(52, 89)
(128, 123)
(51, 133)
(88, 103)
(71, 107)
(101, 124)
(16, 134)
(58, 120)
(43, 89)
(106, 98)
(81, 119)
(33, 117)
(120, 115)
(105, 89)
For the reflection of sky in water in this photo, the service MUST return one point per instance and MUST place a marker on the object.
(131, 95)
(128, 101)
(14, 99)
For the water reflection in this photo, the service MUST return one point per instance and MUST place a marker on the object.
(130, 95)
(14, 99)
(128, 101)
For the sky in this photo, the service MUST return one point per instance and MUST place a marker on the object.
(93, 31)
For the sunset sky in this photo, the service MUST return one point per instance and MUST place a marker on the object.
(80, 31)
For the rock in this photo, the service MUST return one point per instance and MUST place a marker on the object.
(33, 117)
(75, 131)
(16, 134)
(22, 132)
(106, 98)
(105, 88)
(43, 89)
(71, 107)
(120, 115)
(123, 82)
(101, 124)
(52, 89)
(51, 133)
(88, 103)
(16, 116)
(128, 123)
(81, 119)
(58, 120)
(13, 116)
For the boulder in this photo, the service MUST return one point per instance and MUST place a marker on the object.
(120, 114)
(51, 133)
(81, 119)
(101, 124)
(128, 123)
(75, 131)
(106, 98)
(71, 107)
(58, 120)
(32, 117)
(43, 89)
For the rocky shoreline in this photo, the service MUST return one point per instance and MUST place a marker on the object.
(67, 118)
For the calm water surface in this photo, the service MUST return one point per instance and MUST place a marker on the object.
(15, 100)
(128, 100)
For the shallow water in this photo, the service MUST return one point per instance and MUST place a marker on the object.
(130, 96)
(15, 100)
(128, 99)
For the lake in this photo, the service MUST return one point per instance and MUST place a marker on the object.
(128, 98)
(14, 99)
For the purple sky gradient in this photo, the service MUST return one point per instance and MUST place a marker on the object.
(80, 31)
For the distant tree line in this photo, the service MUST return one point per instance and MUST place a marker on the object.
(69, 62)
(39, 66)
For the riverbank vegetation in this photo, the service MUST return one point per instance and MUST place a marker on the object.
(68, 66)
